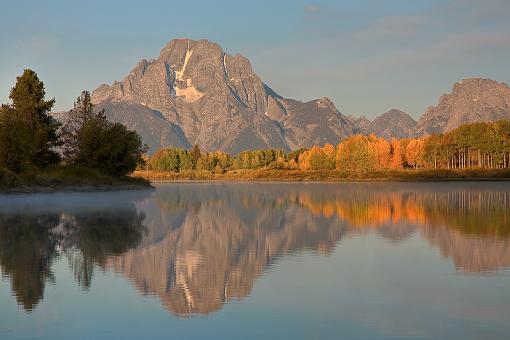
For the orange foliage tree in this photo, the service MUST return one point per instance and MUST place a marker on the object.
(361, 154)
(415, 153)
(396, 159)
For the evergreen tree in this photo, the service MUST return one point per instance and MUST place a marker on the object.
(185, 161)
(195, 155)
(30, 109)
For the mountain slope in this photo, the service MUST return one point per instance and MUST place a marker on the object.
(471, 100)
(316, 122)
(216, 101)
(150, 124)
(361, 123)
(392, 124)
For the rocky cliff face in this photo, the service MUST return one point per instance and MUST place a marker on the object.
(471, 100)
(361, 123)
(316, 122)
(392, 124)
(195, 93)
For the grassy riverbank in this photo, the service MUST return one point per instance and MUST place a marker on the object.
(61, 178)
(330, 176)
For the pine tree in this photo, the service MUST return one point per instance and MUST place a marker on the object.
(28, 106)
(195, 155)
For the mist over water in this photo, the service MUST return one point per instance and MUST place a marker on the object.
(225, 260)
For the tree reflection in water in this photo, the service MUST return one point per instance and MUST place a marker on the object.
(30, 242)
(207, 244)
(198, 246)
(95, 236)
(27, 250)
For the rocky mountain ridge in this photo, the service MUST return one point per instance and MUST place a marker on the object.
(471, 100)
(195, 93)
(392, 124)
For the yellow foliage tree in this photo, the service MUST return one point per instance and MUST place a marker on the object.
(396, 161)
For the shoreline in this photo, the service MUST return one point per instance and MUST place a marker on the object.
(346, 180)
(66, 179)
(145, 179)
(39, 189)
(472, 175)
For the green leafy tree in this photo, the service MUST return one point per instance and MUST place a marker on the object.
(16, 143)
(108, 147)
(185, 160)
(165, 160)
(82, 112)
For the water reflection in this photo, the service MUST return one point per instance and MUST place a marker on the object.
(27, 250)
(32, 236)
(198, 246)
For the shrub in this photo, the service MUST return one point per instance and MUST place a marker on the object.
(108, 147)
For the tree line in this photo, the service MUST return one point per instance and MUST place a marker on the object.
(478, 145)
(32, 139)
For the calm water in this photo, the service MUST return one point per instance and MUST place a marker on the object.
(253, 261)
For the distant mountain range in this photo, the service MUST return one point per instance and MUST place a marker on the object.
(195, 93)
(391, 124)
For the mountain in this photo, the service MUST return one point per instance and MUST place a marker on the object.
(154, 129)
(195, 93)
(316, 122)
(361, 123)
(203, 247)
(392, 124)
(471, 100)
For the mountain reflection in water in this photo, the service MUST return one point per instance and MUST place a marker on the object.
(197, 246)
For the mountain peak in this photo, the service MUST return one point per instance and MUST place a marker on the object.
(361, 123)
(325, 103)
(476, 84)
(471, 100)
(195, 93)
(215, 100)
(393, 123)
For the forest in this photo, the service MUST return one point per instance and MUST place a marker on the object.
(36, 149)
(86, 148)
(471, 146)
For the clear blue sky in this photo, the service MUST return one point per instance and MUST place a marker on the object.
(367, 55)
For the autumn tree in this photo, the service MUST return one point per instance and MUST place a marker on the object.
(396, 158)
(415, 153)
(165, 160)
(379, 150)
